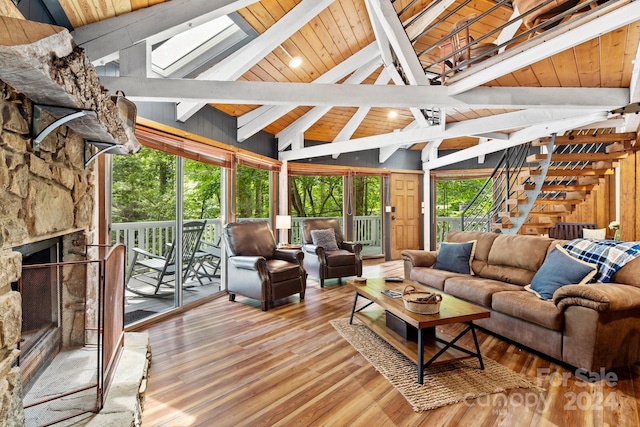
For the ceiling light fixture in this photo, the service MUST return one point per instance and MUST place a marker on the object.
(392, 114)
(294, 61)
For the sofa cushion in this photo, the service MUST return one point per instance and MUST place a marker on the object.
(432, 277)
(455, 257)
(476, 289)
(515, 258)
(340, 257)
(483, 240)
(325, 238)
(560, 269)
(280, 270)
(526, 306)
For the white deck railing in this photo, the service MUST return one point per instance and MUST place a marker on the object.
(153, 236)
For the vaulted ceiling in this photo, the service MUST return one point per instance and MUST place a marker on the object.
(364, 58)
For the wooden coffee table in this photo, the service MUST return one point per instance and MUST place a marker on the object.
(436, 347)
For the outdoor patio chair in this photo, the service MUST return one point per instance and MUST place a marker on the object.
(206, 261)
(154, 271)
(257, 268)
(333, 259)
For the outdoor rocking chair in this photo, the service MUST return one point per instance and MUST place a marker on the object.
(206, 263)
(155, 271)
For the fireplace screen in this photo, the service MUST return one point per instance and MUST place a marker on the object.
(73, 315)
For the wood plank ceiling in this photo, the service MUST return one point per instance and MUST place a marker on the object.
(345, 27)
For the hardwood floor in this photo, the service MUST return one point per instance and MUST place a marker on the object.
(231, 364)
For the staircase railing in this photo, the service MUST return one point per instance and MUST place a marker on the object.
(484, 209)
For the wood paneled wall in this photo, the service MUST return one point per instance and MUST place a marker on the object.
(629, 206)
(600, 206)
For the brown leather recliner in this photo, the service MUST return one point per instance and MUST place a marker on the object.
(257, 268)
(326, 264)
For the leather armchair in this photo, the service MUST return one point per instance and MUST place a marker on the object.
(257, 268)
(327, 264)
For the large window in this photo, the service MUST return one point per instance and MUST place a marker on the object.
(145, 190)
(367, 228)
(348, 196)
(452, 197)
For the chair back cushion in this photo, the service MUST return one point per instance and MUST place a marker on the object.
(249, 238)
(320, 224)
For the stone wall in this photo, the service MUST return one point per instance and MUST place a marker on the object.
(44, 194)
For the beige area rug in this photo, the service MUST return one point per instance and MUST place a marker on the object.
(443, 384)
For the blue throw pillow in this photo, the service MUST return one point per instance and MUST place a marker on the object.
(559, 269)
(456, 257)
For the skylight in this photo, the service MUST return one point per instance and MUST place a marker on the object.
(188, 45)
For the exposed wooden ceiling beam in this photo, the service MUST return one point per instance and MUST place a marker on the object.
(312, 94)
(234, 66)
(252, 122)
(513, 120)
(307, 120)
(103, 40)
(578, 30)
(388, 18)
(517, 138)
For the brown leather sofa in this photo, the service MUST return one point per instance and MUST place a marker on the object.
(257, 268)
(589, 326)
(326, 264)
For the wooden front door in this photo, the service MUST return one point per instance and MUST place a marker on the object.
(405, 216)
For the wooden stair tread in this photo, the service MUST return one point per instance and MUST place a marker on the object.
(566, 172)
(515, 202)
(577, 157)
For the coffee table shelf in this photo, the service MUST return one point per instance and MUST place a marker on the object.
(376, 321)
(430, 346)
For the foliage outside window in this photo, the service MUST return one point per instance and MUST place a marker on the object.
(252, 192)
(316, 196)
(452, 196)
(144, 187)
(367, 195)
(202, 190)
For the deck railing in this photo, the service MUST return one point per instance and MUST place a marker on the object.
(152, 236)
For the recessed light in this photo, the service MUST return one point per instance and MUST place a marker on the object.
(295, 62)
(392, 114)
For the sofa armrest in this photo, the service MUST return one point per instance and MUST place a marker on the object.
(292, 255)
(599, 297)
(248, 262)
(419, 258)
(354, 247)
(313, 249)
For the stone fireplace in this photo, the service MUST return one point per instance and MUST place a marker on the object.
(48, 194)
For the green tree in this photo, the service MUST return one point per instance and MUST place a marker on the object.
(252, 192)
(143, 187)
(316, 196)
(367, 195)
(452, 194)
(202, 190)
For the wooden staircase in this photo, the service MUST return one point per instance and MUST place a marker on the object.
(578, 165)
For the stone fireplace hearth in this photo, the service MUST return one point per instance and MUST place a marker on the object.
(47, 190)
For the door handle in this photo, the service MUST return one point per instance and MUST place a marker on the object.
(393, 217)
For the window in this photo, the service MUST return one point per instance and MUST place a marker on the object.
(212, 37)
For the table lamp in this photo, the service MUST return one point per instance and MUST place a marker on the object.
(283, 222)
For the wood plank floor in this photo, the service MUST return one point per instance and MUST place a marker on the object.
(230, 364)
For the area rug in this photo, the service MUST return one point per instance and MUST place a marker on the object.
(135, 315)
(443, 384)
